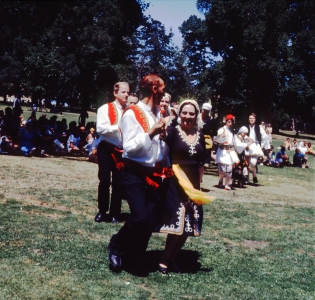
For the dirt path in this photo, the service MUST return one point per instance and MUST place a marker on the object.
(18, 174)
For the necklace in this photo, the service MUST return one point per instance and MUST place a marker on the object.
(192, 149)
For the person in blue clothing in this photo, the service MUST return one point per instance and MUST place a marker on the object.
(281, 157)
(299, 159)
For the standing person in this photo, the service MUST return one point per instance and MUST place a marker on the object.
(226, 156)
(44, 104)
(144, 188)
(83, 116)
(165, 111)
(260, 139)
(269, 133)
(132, 100)
(181, 217)
(209, 128)
(109, 152)
(16, 113)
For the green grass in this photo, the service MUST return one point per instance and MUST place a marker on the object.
(50, 247)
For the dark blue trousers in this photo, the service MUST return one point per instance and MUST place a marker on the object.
(108, 175)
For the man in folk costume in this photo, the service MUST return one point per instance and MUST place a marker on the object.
(142, 175)
(260, 138)
(226, 156)
(109, 152)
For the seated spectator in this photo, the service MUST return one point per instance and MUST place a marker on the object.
(271, 157)
(302, 147)
(89, 140)
(93, 152)
(281, 158)
(310, 149)
(299, 159)
(73, 142)
(43, 138)
(287, 144)
(294, 145)
(26, 139)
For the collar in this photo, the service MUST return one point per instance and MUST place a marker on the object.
(117, 103)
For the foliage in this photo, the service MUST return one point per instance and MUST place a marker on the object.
(70, 50)
(267, 50)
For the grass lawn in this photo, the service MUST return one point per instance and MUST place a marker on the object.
(257, 243)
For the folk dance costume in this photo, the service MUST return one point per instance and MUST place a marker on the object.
(260, 138)
(109, 152)
(145, 181)
(226, 156)
(241, 142)
(180, 215)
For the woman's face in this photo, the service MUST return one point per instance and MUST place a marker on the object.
(188, 116)
(242, 134)
(164, 104)
(252, 120)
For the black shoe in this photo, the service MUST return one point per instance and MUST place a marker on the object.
(255, 180)
(114, 258)
(162, 270)
(115, 220)
(174, 268)
(100, 217)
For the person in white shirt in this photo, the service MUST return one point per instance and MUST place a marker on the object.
(109, 153)
(226, 156)
(260, 138)
(143, 164)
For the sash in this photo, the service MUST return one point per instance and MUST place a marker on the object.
(140, 117)
(196, 196)
(112, 113)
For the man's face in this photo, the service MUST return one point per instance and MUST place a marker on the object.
(205, 112)
(159, 91)
(252, 120)
(122, 94)
(132, 100)
(229, 123)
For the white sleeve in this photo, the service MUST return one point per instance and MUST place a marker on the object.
(136, 142)
(103, 125)
(264, 139)
(238, 144)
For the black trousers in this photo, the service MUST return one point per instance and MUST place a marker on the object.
(144, 203)
(108, 175)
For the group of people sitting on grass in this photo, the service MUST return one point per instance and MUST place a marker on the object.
(43, 137)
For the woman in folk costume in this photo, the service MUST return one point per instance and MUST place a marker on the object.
(226, 155)
(260, 138)
(241, 143)
(181, 216)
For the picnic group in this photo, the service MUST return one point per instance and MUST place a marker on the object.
(152, 152)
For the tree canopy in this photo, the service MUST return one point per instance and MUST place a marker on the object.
(267, 51)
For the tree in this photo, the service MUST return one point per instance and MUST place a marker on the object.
(267, 49)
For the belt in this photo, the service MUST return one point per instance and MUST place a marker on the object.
(149, 172)
(227, 147)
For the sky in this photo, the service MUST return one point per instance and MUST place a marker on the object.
(172, 13)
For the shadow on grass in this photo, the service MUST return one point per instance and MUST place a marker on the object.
(187, 261)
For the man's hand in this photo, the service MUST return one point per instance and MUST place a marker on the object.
(157, 128)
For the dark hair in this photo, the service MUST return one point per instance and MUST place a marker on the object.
(283, 149)
(253, 114)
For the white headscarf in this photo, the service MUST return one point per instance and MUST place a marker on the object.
(243, 129)
(194, 103)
